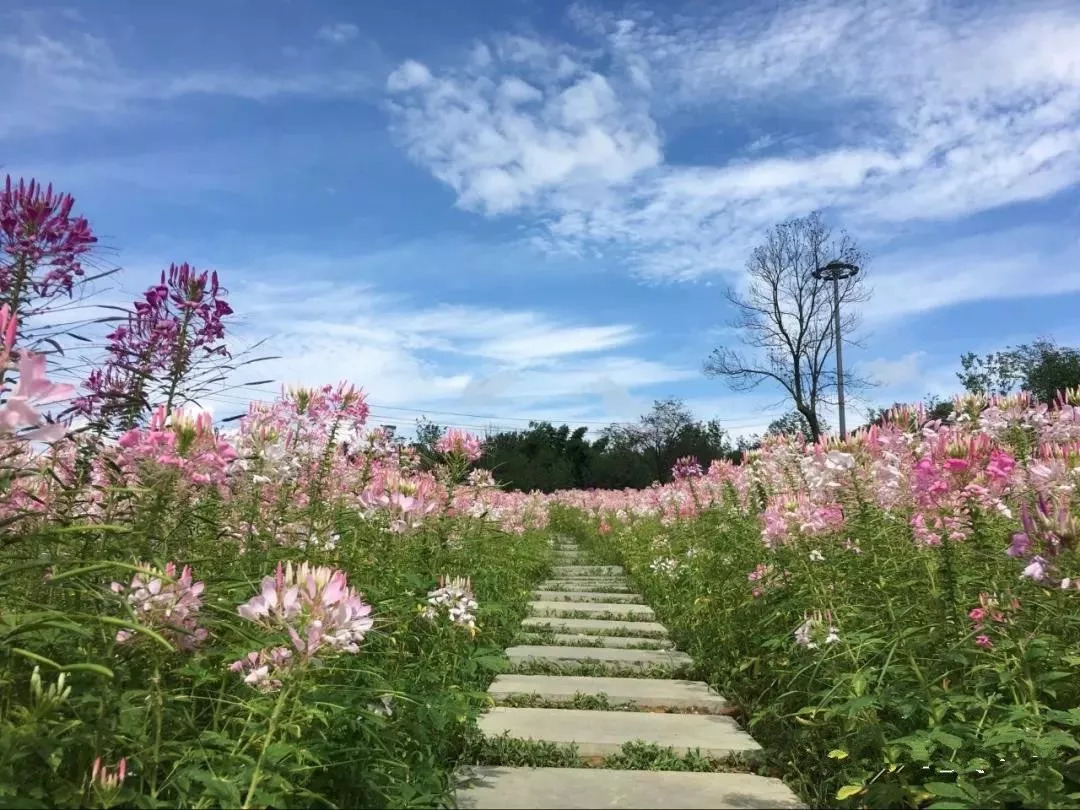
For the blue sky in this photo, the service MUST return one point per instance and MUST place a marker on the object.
(525, 209)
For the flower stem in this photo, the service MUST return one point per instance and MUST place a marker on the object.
(267, 740)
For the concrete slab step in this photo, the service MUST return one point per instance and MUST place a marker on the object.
(559, 624)
(492, 788)
(587, 570)
(611, 585)
(585, 640)
(600, 733)
(655, 693)
(611, 657)
(542, 608)
(586, 596)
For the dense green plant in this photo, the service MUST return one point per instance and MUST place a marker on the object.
(383, 728)
(913, 704)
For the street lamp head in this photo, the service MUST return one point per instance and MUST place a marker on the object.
(836, 271)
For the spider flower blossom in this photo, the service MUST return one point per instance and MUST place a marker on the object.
(166, 603)
(1045, 532)
(455, 597)
(461, 443)
(180, 441)
(990, 617)
(105, 779)
(810, 631)
(262, 669)
(315, 605)
(686, 467)
(668, 566)
(20, 408)
(38, 233)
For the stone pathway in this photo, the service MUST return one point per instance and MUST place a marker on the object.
(587, 619)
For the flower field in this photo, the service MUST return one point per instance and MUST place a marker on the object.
(290, 610)
(897, 615)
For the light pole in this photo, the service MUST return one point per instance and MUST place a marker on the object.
(835, 272)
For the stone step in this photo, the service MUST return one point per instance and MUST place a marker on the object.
(612, 657)
(646, 693)
(586, 596)
(557, 624)
(493, 788)
(540, 608)
(587, 570)
(610, 585)
(602, 733)
(584, 640)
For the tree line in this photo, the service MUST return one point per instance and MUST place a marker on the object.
(548, 458)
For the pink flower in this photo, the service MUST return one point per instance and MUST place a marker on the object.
(103, 778)
(166, 603)
(686, 467)
(39, 235)
(1036, 570)
(460, 442)
(21, 409)
(977, 614)
(984, 642)
(262, 667)
(315, 607)
(1020, 544)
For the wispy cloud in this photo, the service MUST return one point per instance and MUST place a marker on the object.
(1012, 263)
(937, 112)
(408, 354)
(63, 77)
(893, 373)
(337, 33)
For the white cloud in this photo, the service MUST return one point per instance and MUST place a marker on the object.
(893, 373)
(504, 143)
(338, 33)
(448, 357)
(52, 80)
(937, 112)
(1013, 263)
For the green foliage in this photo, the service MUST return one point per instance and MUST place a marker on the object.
(794, 423)
(1042, 368)
(384, 728)
(549, 458)
(905, 709)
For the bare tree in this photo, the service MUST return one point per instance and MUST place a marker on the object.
(785, 316)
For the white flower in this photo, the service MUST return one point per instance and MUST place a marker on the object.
(802, 634)
(665, 565)
(837, 460)
(816, 556)
(811, 627)
(456, 597)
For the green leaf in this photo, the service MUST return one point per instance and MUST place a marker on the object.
(41, 659)
(98, 668)
(847, 791)
(838, 753)
(945, 738)
(137, 628)
(947, 789)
